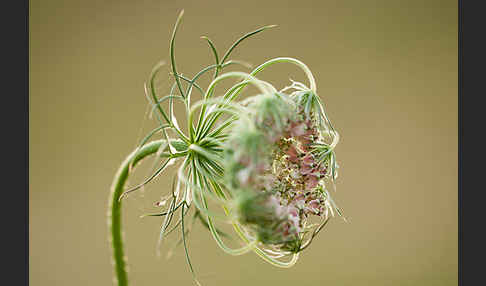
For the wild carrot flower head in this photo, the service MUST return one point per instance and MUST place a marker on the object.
(279, 165)
(267, 161)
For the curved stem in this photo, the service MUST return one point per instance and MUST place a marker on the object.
(300, 64)
(114, 208)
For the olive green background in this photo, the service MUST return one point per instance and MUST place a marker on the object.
(386, 71)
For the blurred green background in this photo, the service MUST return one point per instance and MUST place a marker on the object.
(386, 71)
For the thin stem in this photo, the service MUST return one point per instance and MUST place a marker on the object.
(215, 53)
(226, 55)
(154, 94)
(172, 57)
(114, 208)
(296, 62)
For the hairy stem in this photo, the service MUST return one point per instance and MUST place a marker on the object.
(114, 208)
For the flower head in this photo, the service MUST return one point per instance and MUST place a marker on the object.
(288, 135)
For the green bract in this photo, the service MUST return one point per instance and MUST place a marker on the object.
(266, 161)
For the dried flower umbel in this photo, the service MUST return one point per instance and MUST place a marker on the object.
(267, 161)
